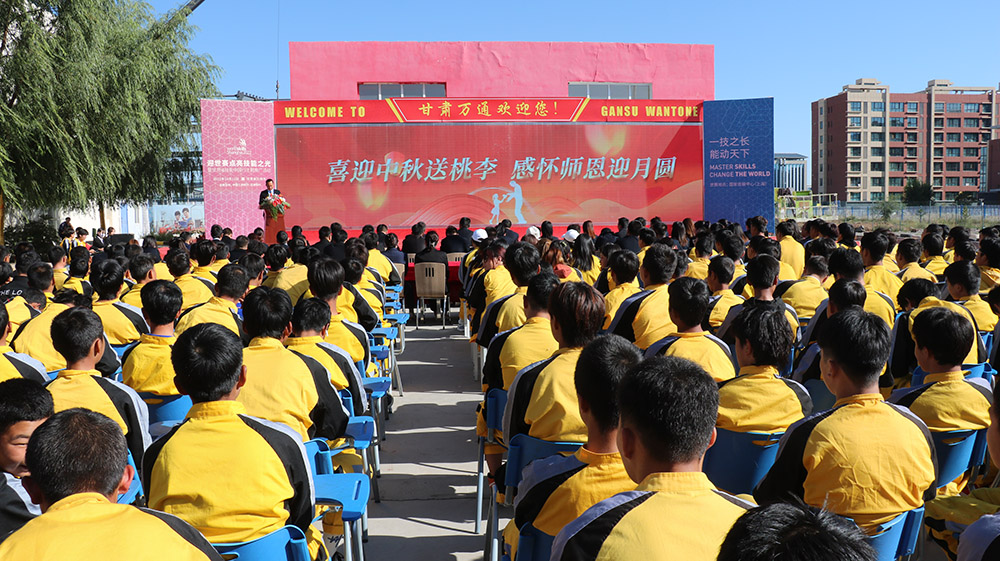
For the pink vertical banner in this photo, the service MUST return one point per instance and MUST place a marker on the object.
(237, 156)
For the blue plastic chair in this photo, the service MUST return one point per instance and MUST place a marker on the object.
(739, 460)
(898, 537)
(351, 492)
(958, 451)
(820, 394)
(166, 408)
(982, 370)
(135, 488)
(286, 543)
(533, 544)
(496, 401)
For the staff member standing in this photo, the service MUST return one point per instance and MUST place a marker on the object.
(270, 190)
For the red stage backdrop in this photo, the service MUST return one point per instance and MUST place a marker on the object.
(526, 167)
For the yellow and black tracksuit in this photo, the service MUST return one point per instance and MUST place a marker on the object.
(989, 278)
(344, 373)
(355, 308)
(290, 388)
(986, 320)
(642, 318)
(195, 290)
(59, 277)
(880, 279)
(915, 271)
(793, 254)
(497, 283)
(123, 324)
(133, 295)
(17, 365)
(758, 400)
(105, 530)
(698, 268)
(555, 491)
(146, 366)
(614, 298)
(542, 401)
(16, 508)
(837, 460)
(120, 403)
(215, 310)
(511, 313)
(725, 330)
(935, 264)
(805, 295)
(262, 456)
(34, 338)
(974, 516)
(18, 312)
(385, 268)
(350, 337)
(80, 285)
(290, 279)
(700, 347)
(489, 320)
(902, 361)
(630, 525)
(718, 308)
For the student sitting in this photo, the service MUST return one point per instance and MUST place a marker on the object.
(17, 365)
(555, 491)
(757, 399)
(962, 279)
(231, 287)
(806, 294)
(203, 253)
(24, 404)
(946, 401)
(762, 276)
(688, 307)
(908, 257)
(668, 407)
(60, 262)
(123, 324)
(290, 278)
(79, 267)
(640, 317)
(378, 261)
(933, 256)
(792, 252)
(142, 269)
(703, 244)
(264, 456)
(542, 401)
(720, 274)
(794, 532)
(836, 459)
(282, 386)
(196, 290)
(623, 267)
(877, 277)
(843, 294)
(326, 282)
(848, 264)
(988, 260)
(146, 365)
(78, 465)
(522, 261)
(19, 310)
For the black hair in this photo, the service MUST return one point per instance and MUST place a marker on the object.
(297, 230)
(731, 246)
(579, 310)
(959, 234)
(846, 234)
(79, 261)
(767, 246)
(56, 254)
(723, 267)
(221, 251)
(583, 253)
(340, 236)
(704, 242)
(624, 265)
(253, 263)
(326, 277)
(161, 301)
(909, 250)
(311, 314)
(599, 370)
(766, 328)
(107, 278)
(945, 333)
(545, 228)
(762, 271)
(846, 293)
(256, 247)
(933, 244)
(914, 291)
(324, 232)
(816, 265)
(846, 263)
(965, 274)
(216, 231)
(40, 276)
(672, 404)
(233, 281)
(74, 332)
(178, 262)
(966, 250)
(354, 270)
(540, 289)
(203, 252)
(876, 243)
(22, 399)
(794, 532)
(276, 256)
(647, 236)
(786, 228)
(659, 262)
(207, 360)
(356, 249)
(77, 451)
(266, 312)
(689, 300)
(859, 342)
(281, 237)
(521, 261)
(140, 266)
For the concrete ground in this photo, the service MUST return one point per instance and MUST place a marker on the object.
(429, 458)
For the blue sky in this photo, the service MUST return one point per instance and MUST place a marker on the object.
(796, 52)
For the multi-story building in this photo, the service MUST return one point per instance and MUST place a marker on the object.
(867, 142)
(790, 172)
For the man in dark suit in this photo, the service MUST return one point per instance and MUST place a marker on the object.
(631, 241)
(454, 243)
(414, 243)
(267, 193)
(508, 234)
(336, 248)
(325, 237)
(464, 231)
(430, 254)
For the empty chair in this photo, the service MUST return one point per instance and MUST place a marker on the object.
(455, 257)
(432, 284)
(739, 460)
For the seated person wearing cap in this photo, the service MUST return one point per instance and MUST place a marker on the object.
(668, 407)
(78, 463)
(962, 279)
(623, 268)
(688, 306)
(836, 459)
(266, 458)
(555, 491)
(231, 287)
(24, 404)
(640, 317)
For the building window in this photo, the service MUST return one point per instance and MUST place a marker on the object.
(951, 181)
(936, 182)
(821, 125)
(878, 137)
(895, 166)
(911, 137)
(877, 152)
(972, 137)
(952, 166)
(854, 181)
(855, 151)
(855, 166)
(954, 137)
(820, 109)
(987, 108)
(851, 137)
(971, 152)
(972, 108)
(911, 152)
(986, 137)
(854, 121)
(987, 122)
(895, 182)
(939, 137)
(911, 122)
(952, 122)
(610, 90)
(970, 181)
(895, 137)
(939, 107)
(820, 181)
(912, 107)
(896, 106)
(821, 138)
(854, 197)
(878, 121)
(938, 166)
(387, 90)
(938, 122)
(896, 121)
(877, 182)
(854, 106)
(954, 107)
(954, 153)
(878, 107)
(821, 153)
(911, 166)
(877, 166)
(897, 151)
(821, 167)
(972, 123)
(938, 152)
(970, 166)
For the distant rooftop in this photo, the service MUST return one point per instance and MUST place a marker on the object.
(788, 156)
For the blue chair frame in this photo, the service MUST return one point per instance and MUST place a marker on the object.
(496, 402)
(958, 451)
(135, 488)
(533, 544)
(898, 537)
(166, 408)
(285, 543)
(739, 460)
(982, 370)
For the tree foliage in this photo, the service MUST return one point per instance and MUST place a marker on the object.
(967, 198)
(918, 193)
(94, 97)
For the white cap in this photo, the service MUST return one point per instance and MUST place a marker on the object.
(479, 235)
(571, 235)
(534, 231)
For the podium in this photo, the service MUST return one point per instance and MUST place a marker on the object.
(271, 228)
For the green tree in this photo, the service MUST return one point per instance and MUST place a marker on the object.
(966, 198)
(95, 95)
(918, 193)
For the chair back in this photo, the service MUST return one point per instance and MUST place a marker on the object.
(166, 408)
(957, 452)
(400, 269)
(496, 402)
(739, 460)
(410, 258)
(347, 400)
(288, 543)
(134, 488)
(534, 544)
(455, 257)
(524, 449)
(318, 453)
(431, 280)
(898, 537)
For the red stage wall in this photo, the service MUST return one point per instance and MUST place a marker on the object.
(399, 174)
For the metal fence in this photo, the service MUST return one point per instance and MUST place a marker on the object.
(967, 215)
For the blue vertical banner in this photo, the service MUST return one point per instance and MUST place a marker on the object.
(739, 159)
